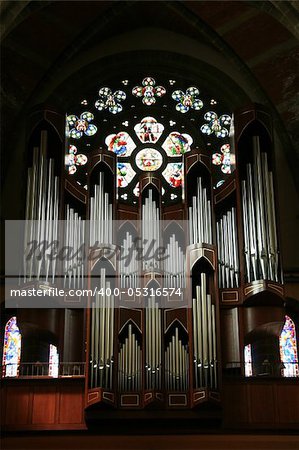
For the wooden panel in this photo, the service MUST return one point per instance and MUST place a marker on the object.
(17, 405)
(71, 405)
(229, 337)
(262, 404)
(235, 404)
(43, 409)
(288, 403)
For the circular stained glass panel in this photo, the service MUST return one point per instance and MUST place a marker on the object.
(149, 159)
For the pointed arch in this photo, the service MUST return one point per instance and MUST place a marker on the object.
(288, 349)
(11, 348)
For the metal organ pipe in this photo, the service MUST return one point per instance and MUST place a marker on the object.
(74, 238)
(204, 336)
(102, 330)
(129, 363)
(176, 357)
(100, 215)
(228, 261)
(150, 229)
(174, 265)
(200, 226)
(129, 271)
(259, 221)
(42, 206)
(153, 348)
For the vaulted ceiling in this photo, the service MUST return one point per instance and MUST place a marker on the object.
(49, 46)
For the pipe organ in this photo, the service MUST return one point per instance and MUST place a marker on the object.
(153, 347)
(74, 237)
(259, 222)
(146, 346)
(204, 332)
(102, 336)
(227, 245)
(42, 209)
(200, 225)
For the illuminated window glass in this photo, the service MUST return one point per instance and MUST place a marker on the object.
(53, 361)
(248, 360)
(121, 143)
(176, 143)
(288, 349)
(125, 174)
(174, 174)
(12, 348)
(148, 130)
(149, 160)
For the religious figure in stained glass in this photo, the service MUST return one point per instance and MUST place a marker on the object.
(173, 174)
(121, 143)
(149, 130)
(11, 349)
(288, 349)
(177, 144)
(125, 174)
(149, 159)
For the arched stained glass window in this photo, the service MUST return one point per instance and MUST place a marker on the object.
(248, 360)
(11, 349)
(288, 349)
(53, 361)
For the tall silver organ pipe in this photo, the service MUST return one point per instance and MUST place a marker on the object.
(204, 338)
(74, 238)
(102, 337)
(150, 229)
(153, 347)
(259, 222)
(200, 216)
(101, 226)
(227, 245)
(129, 267)
(176, 364)
(174, 265)
(129, 363)
(42, 207)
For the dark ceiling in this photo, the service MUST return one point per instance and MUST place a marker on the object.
(41, 38)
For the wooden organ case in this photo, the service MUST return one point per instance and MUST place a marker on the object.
(145, 355)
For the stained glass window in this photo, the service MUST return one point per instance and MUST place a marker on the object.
(177, 144)
(248, 360)
(11, 349)
(174, 175)
(125, 174)
(288, 349)
(149, 130)
(110, 100)
(149, 159)
(148, 127)
(53, 361)
(121, 143)
(187, 100)
(148, 91)
(224, 159)
(72, 160)
(217, 125)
